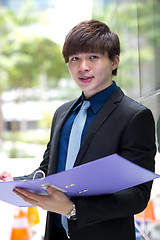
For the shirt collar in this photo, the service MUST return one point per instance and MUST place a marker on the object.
(98, 100)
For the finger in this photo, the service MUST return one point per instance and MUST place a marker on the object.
(29, 195)
(25, 198)
(4, 174)
(26, 193)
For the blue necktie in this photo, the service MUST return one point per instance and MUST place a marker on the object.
(75, 142)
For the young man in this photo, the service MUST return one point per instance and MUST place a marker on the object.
(114, 124)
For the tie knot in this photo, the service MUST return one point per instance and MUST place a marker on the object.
(85, 105)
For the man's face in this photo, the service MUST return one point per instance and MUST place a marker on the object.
(92, 72)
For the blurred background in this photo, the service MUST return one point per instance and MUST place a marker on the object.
(34, 81)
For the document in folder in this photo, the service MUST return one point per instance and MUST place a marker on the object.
(103, 176)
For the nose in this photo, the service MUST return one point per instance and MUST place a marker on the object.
(84, 66)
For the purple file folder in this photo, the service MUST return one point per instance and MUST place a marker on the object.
(103, 176)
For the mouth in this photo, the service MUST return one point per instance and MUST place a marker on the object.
(86, 79)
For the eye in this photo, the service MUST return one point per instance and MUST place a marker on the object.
(93, 57)
(73, 59)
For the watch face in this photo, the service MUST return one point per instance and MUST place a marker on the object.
(72, 214)
(73, 217)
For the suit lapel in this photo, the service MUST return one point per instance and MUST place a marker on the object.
(54, 148)
(102, 116)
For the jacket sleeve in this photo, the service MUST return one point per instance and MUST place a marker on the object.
(137, 144)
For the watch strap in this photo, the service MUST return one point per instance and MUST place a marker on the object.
(72, 214)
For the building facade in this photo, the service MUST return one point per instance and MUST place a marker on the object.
(137, 23)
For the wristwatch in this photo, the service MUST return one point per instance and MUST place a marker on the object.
(72, 214)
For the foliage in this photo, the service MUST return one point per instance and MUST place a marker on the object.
(35, 137)
(18, 153)
(26, 60)
(24, 57)
(34, 59)
(45, 123)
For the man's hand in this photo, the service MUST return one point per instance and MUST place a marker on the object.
(5, 176)
(56, 201)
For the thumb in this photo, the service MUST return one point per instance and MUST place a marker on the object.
(51, 190)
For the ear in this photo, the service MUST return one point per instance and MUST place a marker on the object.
(115, 62)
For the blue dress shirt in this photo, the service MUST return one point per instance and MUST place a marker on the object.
(96, 103)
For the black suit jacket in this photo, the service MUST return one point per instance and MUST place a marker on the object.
(122, 126)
